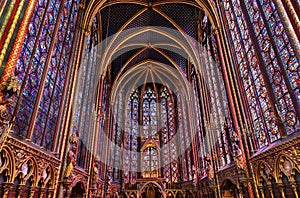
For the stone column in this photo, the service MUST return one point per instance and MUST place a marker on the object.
(11, 31)
(17, 46)
(7, 15)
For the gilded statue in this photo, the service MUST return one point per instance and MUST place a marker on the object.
(4, 119)
(95, 172)
(209, 168)
(237, 152)
(71, 157)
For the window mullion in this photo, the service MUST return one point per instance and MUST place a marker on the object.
(281, 65)
(45, 71)
(262, 66)
(246, 51)
(56, 77)
(30, 62)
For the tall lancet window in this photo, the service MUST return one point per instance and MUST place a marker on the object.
(184, 145)
(115, 148)
(153, 143)
(264, 56)
(150, 162)
(149, 113)
(169, 130)
(43, 69)
(85, 110)
(130, 157)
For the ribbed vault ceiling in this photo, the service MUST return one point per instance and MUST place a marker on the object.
(185, 17)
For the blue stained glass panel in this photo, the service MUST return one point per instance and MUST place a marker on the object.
(46, 116)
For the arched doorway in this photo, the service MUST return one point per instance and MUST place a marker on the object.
(229, 190)
(151, 191)
(78, 191)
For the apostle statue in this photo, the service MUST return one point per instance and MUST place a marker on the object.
(95, 172)
(4, 120)
(71, 157)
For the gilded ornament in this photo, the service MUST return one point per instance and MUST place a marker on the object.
(209, 169)
(237, 152)
(95, 171)
(4, 120)
(11, 86)
(71, 158)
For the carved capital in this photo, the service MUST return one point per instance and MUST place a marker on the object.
(95, 171)
(245, 180)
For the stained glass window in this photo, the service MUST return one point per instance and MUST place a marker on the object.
(160, 119)
(280, 58)
(218, 100)
(130, 163)
(102, 144)
(184, 146)
(200, 141)
(278, 62)
(43, 70)
(85, 112)
(169, 145)
(82, 154)
(150, 162)
(115, 148)
(149, 113)
(212, 108)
